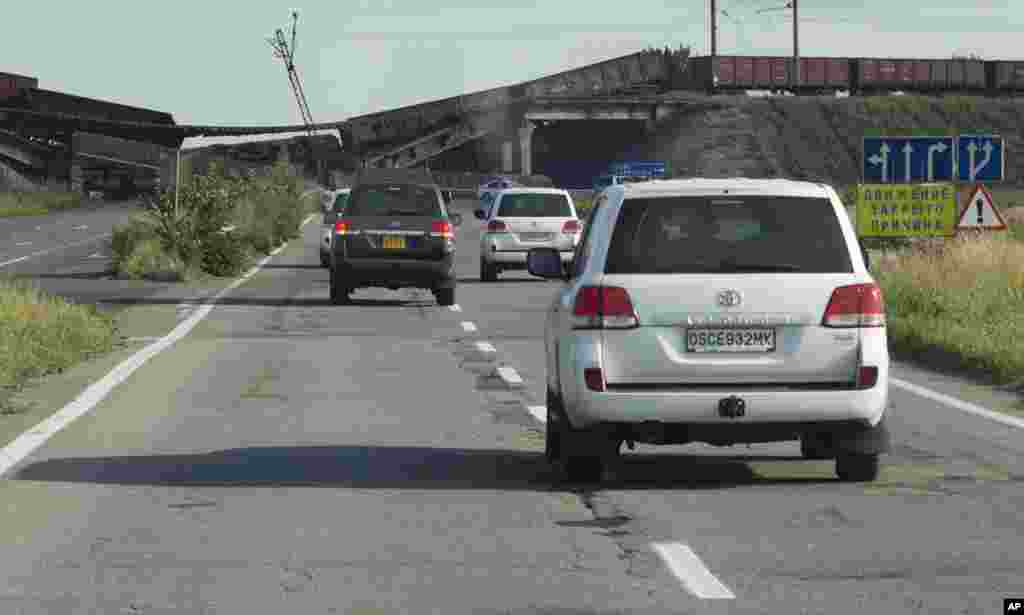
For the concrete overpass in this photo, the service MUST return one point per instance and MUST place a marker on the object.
(628, 87)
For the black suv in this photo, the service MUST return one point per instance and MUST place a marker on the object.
(395, 233)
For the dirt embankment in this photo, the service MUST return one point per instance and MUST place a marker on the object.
(819, 138)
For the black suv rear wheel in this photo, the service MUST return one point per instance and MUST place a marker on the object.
(339, 293)
(445, 296)
(488, 272)
(857, 468)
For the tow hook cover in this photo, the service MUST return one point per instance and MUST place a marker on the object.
(732, 407)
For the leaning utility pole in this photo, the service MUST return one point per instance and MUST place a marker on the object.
(796, 45)
(287, 53)
(714, 30)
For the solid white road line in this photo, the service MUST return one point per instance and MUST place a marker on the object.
(509, 376)
(959, 404)
(49, 250)
(538, 412)
(23, 445)
(468, 327)
(690, 571)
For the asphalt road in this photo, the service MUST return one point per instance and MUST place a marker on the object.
(293, 456)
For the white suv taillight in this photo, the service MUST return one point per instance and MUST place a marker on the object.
(604, 307)
(858, 305)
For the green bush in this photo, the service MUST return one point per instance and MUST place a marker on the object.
(126, 236)
(149, 260)
(225, 255)
(263, 211)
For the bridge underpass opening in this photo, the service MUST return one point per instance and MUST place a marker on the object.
(574, 152)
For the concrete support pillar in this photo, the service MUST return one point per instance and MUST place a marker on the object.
(508, 157)
(283, 155)
(72, 169)
(168, 169)
(526, 147)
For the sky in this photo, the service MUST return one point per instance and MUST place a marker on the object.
(210, 63)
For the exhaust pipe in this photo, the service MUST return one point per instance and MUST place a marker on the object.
(732, 407)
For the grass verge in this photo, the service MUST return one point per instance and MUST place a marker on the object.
(37, 203)
(41, 334)
(960, 303)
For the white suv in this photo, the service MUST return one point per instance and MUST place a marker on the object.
(522, 218)
(722, 311)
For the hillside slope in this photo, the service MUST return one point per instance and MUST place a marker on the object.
(819, 138)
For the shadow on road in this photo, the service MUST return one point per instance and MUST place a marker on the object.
(384, 467)
(469, 280)
(294, 266)
(274, 302)
(87, 275)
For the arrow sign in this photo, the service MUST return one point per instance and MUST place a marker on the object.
(908, 149)
(932, 149)
(982, 158)
(924, 159)
(980, 213)
(882, 160)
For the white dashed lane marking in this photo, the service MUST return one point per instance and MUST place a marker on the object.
(690, 571)
(510, 376)
(538, 412)
(468, 327)
(455, 307)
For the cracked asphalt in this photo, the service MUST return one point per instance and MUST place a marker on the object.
(293, 456)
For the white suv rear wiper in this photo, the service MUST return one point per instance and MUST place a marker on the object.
(731, 265)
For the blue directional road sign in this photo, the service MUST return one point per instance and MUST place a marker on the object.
(908, 159)
(980, 158)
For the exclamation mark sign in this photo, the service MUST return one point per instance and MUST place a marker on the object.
(981, 218)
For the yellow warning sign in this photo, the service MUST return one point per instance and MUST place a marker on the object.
(907, 210)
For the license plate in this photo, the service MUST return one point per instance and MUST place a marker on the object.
(392, 242)
(534, 236)
(730, 340)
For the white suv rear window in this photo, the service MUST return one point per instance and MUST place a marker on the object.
(534, 206)
(728, 235)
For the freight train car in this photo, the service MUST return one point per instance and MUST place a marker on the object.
(1004, 77)
(877, 75)
(859, 76)
(12, 85)
(740, 73)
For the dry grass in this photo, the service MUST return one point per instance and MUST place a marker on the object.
(37, 203)
(41, 334)
(964, 297)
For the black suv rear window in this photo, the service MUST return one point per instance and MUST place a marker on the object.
(340, 201)
(534, 206)
(394, 200)
(728, 235)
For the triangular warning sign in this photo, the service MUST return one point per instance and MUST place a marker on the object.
(980, 212)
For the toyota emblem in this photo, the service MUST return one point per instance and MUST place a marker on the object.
(729, 298)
